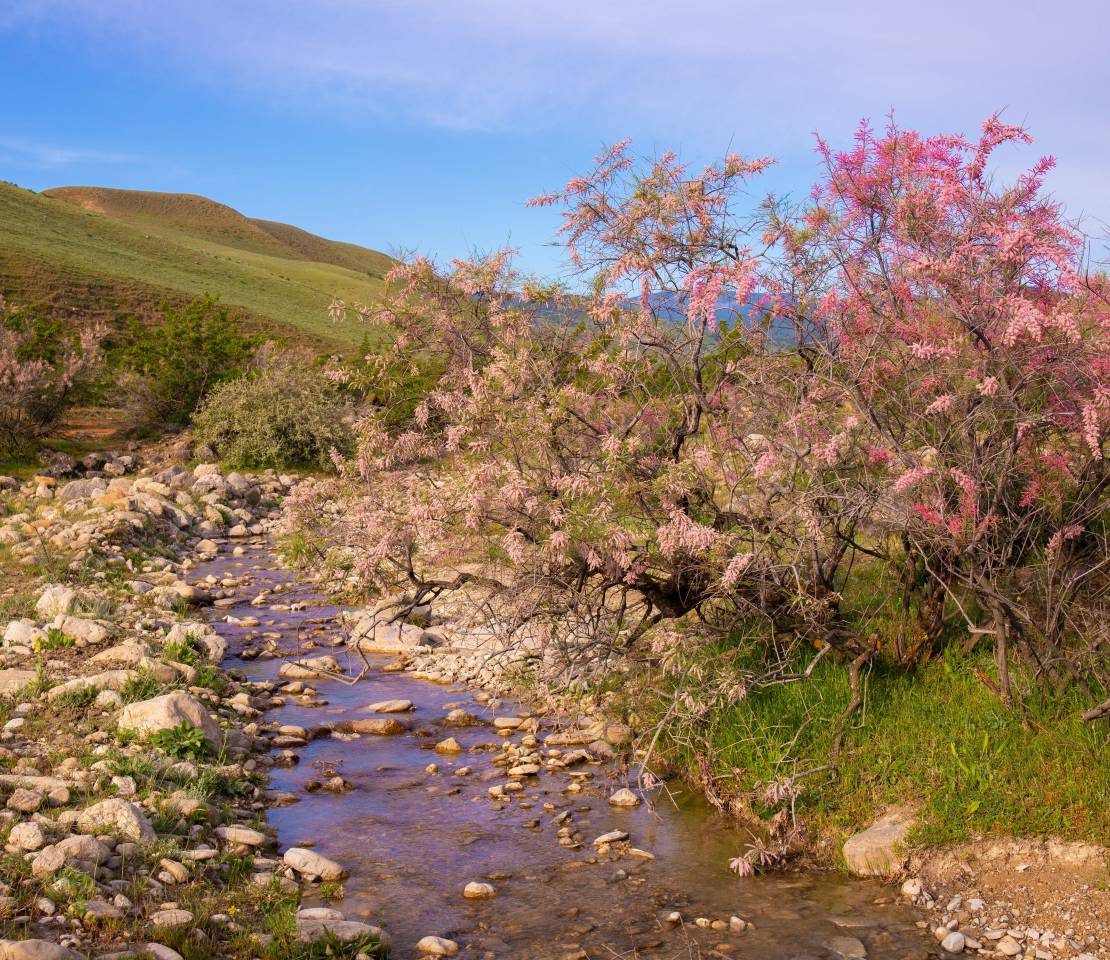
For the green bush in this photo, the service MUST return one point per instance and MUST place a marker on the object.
(177, 361)
(287, 414)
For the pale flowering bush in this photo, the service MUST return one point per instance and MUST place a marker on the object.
(597, 465)
(42, 367)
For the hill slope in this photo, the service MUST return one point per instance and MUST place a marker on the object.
(100, 252)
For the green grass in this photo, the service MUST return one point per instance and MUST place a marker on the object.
(61, 258)
(936, 739)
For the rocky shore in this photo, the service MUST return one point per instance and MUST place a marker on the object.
(132, 767)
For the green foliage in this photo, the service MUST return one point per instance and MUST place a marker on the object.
(143, 686)
(938, 738)
(55, 639)
(183, 742)
(287, 414)
(184, 356)
(79, 698)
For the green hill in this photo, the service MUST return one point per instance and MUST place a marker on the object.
(98, 252)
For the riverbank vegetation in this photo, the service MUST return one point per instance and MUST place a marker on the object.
(848, 456)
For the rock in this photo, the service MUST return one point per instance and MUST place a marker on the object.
(624, 798)
(108, 680)
(54, 600)
(618, 734)
(27, 836)
(25, 801)
(87, 631)
(97, 911)
(954, 942)
(911, 887)
(244, 836)
(171, 918)
(12, 681)
(851, 948)
(22, 633)
(36, 950)
(312, 864)
(1008, 946)
(117, 818)
(450, 745)
(79, 489)
(389, 637)
(167, 712)
(309, 930)
(160, 951)
(213, 644)
(478, 891)
(47, 862)
(82, 848)
(311, 668)
(390, 706)
(437, 947)
(879, 850)
(613, 836)
(379, 726)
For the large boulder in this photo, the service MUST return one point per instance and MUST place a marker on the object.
(372, 636)
(87, 631)
(167, 712)
(23, 633)
(879, 851)
(134, 656)
(55, 600)
(117, 818)
(36, 950)
(108, 680)
(12, 681)
(310, 864)
(79, 489)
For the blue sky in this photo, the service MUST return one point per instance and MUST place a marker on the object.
(425, 125)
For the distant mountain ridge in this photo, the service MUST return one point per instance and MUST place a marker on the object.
(99, 252)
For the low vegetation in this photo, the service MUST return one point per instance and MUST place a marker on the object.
(285, 414)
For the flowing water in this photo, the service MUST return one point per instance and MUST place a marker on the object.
(412, 840)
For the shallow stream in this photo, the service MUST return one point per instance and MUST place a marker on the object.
(412, 840)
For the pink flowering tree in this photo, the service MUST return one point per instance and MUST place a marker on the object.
(974, 351)
(739, 406)
(599, 463)
(38, 374)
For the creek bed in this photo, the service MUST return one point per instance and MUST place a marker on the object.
(413, 840)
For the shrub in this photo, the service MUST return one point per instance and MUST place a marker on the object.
(183, 742)
(42, 366)
(177, 361)
(286, 414)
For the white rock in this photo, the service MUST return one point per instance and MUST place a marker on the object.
(118, 818)
(390, 706)
(167, 712)
(437, 947)
(624, 798)
(54, 600)
(478, 891)
(312, 864)
(954, 942)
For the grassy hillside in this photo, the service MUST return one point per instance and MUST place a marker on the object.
(97, 252)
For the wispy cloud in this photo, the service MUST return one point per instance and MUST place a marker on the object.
(700, 74)
(50, 156)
